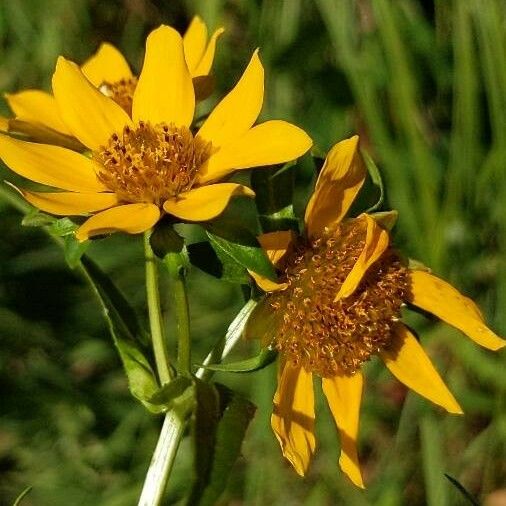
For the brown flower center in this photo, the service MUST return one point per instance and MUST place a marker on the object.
(121, 92)
(151, 163)
(328, 337)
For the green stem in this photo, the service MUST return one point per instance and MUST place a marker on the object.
(155, 315)
(175, 265)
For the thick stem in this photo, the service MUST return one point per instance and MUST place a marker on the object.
(155, 315)
(176, 269)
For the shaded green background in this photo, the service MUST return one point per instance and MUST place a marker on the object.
(425, 87)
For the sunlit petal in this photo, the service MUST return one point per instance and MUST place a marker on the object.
(164, 92)
(376, 242)
(206, 62)
(344, 395)
(107, 65)
(38, 107)
(293, 416)
(50, 165)
(91, 116)
(206, 202)
(129, 218)
(408, 362)
(194, 43)
(269, 143)
(239, 110)
(438, 297)
(340, 180)
(69, 203)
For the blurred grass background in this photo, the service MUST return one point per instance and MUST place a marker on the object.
(424, 84)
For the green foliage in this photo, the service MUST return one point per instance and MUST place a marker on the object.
(425, 88)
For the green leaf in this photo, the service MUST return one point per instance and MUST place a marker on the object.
(274, 197)
(244, 250)
(375, 175)
(387, 219)
(74, 250)
(214, 463)
(462, 490)
(263, 359)
(37, 219)
(21, 496)
(164, 397)
(165, 239)
(217, 264)
(62, 227)
(126, 334)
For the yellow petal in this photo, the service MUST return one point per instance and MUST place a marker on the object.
(408, 362)
(340, 180)
(269, 143)
(4, 124)
(129, 218)
(344, 395)
(37, 106)
(239, 110)
(70, 204)
(275, 244)
(376, 242)
(91, 116)
(194, 43)
(206, 202)
(164, 92)
(206, 62)
(50, 165)
(442, 300)
(293, 416)
(107, 65)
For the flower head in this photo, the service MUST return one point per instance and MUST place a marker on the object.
(36, 112)
(151, 161)
(337, 304)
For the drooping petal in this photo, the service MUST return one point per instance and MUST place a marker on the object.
(344, 395)
(90, 115)
(438, 297)
(376, 242)
(107, 65)
(69, 203)
(408, 362)
(164, 92)
(269, 143)
(293, 416)
(239, 110)
(275, 244)
(340, 180)
(194, 43)
(50, 165)
(129, 218)
(206, 202)
(37, 107)
(206, 62)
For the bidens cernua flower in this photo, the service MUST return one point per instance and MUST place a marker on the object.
(36, 112)
(151, 162)
(337, 303)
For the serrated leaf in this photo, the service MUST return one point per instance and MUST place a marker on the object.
(375, 175)
(245, 250)
(263, 359)
(219, 265)
(62, 227)
(234, 415)
(126, 334)
(37, 219)
(274, 197)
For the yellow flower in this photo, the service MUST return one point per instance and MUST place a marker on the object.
(150, 162)
(36, 112)
(337, 304)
